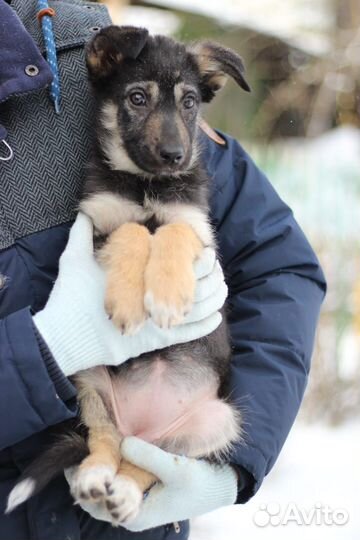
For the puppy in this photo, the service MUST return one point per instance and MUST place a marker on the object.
(147, 195)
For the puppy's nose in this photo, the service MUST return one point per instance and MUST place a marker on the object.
(172, 155)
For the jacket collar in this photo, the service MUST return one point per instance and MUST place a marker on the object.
(22, 68)
(17, 52)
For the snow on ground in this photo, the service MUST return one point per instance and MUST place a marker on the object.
(317, 475)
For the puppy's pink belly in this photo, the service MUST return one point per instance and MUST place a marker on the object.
(158, 406)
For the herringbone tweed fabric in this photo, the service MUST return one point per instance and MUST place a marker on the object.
(39, 187)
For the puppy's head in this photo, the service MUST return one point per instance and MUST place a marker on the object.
(149, 91)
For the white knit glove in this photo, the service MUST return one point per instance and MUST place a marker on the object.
(188, 488)
(76, 328)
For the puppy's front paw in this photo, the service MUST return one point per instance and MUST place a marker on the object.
(124, 258)
(92, 483)
(125, 305)
(169, 292)
(123, 500)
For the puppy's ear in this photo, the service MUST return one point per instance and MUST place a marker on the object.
(216, 63)
(107, 50)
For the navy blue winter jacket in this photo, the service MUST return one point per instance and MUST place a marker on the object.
(275, 283)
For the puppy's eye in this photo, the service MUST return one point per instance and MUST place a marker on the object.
(189, 101)
(138, 98)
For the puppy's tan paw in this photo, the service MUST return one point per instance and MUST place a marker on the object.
(124, 257)
(169, 292)
(169, 276)
(125, 305)
(123, 500)
(92, 483)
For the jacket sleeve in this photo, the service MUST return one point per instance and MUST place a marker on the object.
(276, 287)
(33, 392)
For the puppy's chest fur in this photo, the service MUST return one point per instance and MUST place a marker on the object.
(112, 198)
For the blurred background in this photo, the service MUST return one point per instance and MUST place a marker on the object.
(301, 126)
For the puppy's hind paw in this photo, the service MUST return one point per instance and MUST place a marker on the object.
(92, 483)
(123, 500)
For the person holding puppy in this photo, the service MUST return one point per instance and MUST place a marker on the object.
(275, 290)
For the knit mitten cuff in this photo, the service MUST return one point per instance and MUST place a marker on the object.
(71, 350)
(220, 489)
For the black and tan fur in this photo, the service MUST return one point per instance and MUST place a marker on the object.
(147, 195)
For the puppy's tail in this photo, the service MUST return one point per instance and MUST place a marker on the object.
(68, 451)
